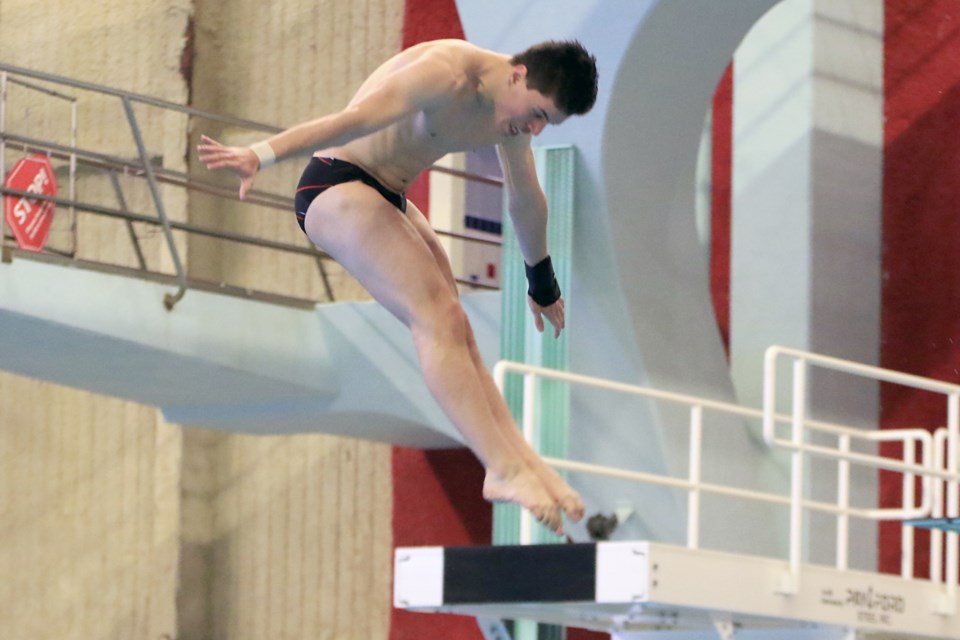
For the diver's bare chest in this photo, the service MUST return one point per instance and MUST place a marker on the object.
(458, 129)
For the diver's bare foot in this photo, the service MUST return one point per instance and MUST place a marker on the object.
(562, 493)
(569, 500)
(525, 489)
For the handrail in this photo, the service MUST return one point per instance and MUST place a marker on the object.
(175, 225)
(501, 368)
(144, 167)
(3, 125)
(193, 111)
(802, 360)
(96, 159)
(139, 97)
(844, 366)
(931, 470)
(169, 301)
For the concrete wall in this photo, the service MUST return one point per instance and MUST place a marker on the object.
(90, 486)
(284, 538)
(280, 64)
(805, 268)
(90, 504)
(280, 536)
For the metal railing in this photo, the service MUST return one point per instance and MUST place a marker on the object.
(142, 166)
(931, 471)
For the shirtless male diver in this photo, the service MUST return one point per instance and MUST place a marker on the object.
(423, 103)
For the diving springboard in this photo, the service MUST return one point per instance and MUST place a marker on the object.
(629, 588)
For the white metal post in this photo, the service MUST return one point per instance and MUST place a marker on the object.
(529, 434)
(770, 396)
(936, 535)
(843, 503)
(796, 474)
(500, 375)
(906, 532)
(693, 495)
(3, 145)
(953, 494)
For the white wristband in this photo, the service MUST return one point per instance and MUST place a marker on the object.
(264, 153)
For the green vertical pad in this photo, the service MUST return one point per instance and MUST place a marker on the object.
(519, 339)
(520, 342)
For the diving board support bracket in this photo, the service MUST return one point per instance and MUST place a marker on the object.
(493, 629)
(723, 624)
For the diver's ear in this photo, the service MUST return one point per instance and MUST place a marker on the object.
(519, 73)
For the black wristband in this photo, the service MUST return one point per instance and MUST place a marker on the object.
(543, 287)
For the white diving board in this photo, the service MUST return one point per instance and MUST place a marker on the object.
(638, 589)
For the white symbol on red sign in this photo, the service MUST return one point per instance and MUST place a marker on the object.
(30, 218)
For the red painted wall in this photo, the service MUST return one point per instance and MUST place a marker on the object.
(437, 501)
(921, 222)
(721, 182)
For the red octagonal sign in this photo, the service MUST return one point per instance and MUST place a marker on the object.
(30, 218)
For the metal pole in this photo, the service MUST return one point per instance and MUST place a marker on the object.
(693, 496)
(529, 425)
(796, 474)
(3, 145)
(953, 495)
(169, 301)
(325, 278)
(130, 230)
(936, 535)
(906, 532)
(73, 173)
(770, 396)
(138, 97)
(843, 502)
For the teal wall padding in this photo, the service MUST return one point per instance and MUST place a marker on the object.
(519, 339)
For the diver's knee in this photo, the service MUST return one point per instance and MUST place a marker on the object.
(444, 320)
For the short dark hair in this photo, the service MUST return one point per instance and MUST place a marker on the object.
(563, 71)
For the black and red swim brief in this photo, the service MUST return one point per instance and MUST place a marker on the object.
(323, 173)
